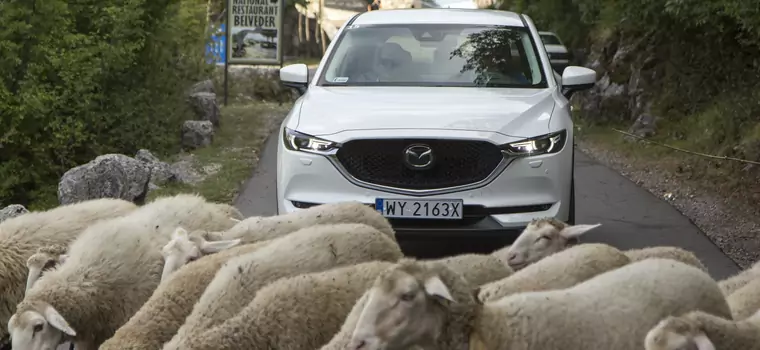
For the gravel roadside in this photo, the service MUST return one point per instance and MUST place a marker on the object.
(734, 228)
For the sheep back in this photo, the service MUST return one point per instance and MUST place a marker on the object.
(745, 301)
(307, 250)
(666, 252)
(21, 236)
(269, 227)
(733, 283)
(626, 302)
(163, 314)
(559, 270)
(314, 304)
(478, 269)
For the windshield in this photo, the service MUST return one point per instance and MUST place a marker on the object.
(434, 55)
(549, 39)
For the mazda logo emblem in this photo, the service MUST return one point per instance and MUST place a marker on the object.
(418, 157)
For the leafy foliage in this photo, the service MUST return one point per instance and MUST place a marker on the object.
(80, 78)
(698, 61)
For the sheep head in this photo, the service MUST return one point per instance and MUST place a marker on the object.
(185, 247)
(407, 307)
(677, 333)
(40, 328)
(540, 239)
(44, 259)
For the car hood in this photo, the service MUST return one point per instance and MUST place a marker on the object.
(330, 110)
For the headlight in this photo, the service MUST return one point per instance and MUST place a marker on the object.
(544, 144)
(296, 141)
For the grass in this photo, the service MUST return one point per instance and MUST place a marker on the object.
(735, 182)
(235, 151)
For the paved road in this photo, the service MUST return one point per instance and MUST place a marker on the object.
(631, 217)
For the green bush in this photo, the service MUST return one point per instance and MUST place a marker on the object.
(86, 77)
(699, 60)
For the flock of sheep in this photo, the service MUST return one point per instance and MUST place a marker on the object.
(181, 272)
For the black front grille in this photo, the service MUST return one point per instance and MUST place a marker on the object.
(382, 162)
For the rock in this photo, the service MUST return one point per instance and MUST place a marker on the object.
(203, 86)
(205, 107)
(107, 176)
(12, 211)
(160, 172)
(185, 170)
(197, 134)
(643, 127)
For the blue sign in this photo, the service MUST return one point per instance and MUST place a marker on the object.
(216, 49)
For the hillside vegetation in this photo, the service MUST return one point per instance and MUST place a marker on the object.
(693, 66)
(86, 77)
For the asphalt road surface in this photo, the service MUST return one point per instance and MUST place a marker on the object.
(631, 217)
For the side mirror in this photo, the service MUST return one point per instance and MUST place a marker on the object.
(576, 79)
(295, 76)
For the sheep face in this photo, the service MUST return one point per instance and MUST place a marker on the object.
(542, 238)
(402, 310)
(677, 333)
(185, 247)
(40, 329)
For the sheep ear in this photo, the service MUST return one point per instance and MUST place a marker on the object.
(435, 287)
(576, 230)
(56, 320)
(179, 232)
(210, 247)
(234, 220)
(703, 342)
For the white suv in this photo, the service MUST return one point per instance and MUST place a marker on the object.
(444, 120)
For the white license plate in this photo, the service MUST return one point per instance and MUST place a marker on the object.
(420, 208)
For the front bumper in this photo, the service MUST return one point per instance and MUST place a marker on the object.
(528, 188)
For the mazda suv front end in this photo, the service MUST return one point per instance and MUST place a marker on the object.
(447, 121)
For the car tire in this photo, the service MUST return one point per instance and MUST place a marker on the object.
(571, 212)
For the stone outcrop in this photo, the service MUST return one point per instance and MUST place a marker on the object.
(160, 172)
(197, 134)
(107, 176)
(12, 211)
(205, 107)
(625, 71)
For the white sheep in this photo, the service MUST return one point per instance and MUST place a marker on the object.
(738, 280)
(290, 312)
(162, 315)
(260, 228)
(111, 270)
(698, 330)
(541, 238)
(745, 301)
(477, 269)
(21, 236)
(560, 270)
(46, 258)
(312, 249)
(338, 292)
(415, 304)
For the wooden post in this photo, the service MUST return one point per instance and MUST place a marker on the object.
(321, 26)
(300, 28)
